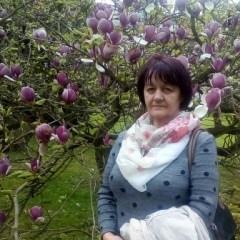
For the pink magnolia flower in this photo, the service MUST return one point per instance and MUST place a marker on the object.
(64, 49)
(181, 5)
(62, 134)
(213, 98)
(35, 214)
(128, 3)
(208, 48)
(2, 218)
(234, 21)
(195, 89)
(124, 19)
(137, 6)
(43, 132)
(69, 96)
(218, 64)
(2, 34)
(15, 71)
(150, 33)
(33, 165)
(73, 86)
(210, 101)
(220, 43)
(4, 70)
(182, 33)
(39, 35)
(105, 26)
(107, 140)
(218, 81)
(56, 62)
(133, 55)
(92, 23)
(167, 23)
(195, 10)
(167, 35)
(101, 14)
(62, 79)
(211, 29)
(102, 80)
(183, 60)
(4, 13)
(4, 166)
(133, 18)
(115, 37)
(27, 94)
(107, 50)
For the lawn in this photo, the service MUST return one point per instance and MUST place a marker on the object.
(68, 202)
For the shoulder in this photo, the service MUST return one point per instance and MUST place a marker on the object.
(205, 136)
(121, 136)
(206, 143)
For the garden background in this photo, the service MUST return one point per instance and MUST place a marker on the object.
(68, 71)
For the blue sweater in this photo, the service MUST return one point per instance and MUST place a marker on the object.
(118, 201)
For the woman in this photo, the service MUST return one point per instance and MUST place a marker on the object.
(147, 169)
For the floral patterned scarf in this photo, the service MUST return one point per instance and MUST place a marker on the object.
(147, 150)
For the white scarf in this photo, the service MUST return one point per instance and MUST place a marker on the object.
(163, 145)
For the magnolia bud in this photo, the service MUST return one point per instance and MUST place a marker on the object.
(62, 134)
(35, 214)
(2, 217)
(43, 132)
(15, 71)
(219, 81)
(69, 96)
(62, 79)
(4, 166)
(27, 94)
(34, 165)
(40, 35)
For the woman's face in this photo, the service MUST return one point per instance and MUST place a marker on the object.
(162, 101)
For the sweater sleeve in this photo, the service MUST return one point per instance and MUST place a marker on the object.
(204, 178)
(106, 205)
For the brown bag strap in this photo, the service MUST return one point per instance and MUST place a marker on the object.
(192, 145)
(191, 149)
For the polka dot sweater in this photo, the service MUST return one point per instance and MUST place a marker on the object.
(118, 201)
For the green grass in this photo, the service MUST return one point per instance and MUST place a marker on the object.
(68, 202)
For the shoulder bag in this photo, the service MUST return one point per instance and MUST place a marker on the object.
(223, 224)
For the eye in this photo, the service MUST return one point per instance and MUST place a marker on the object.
(150, 89)
(167, 89)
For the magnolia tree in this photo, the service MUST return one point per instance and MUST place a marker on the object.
(68, 71)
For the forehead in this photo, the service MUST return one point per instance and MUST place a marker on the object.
(156, 81)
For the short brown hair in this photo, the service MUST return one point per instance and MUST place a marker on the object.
(169, 70)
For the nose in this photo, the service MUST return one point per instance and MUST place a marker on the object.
(158, 95)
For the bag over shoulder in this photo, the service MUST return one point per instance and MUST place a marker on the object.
(223, 224)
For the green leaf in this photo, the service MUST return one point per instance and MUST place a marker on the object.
(55, 88)
(24, 175)
(15, 174)
(124, 101)
(149, 8)
(62, 61)
(40, 102)
(74, 130)
(56, 147)
(9, 111)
